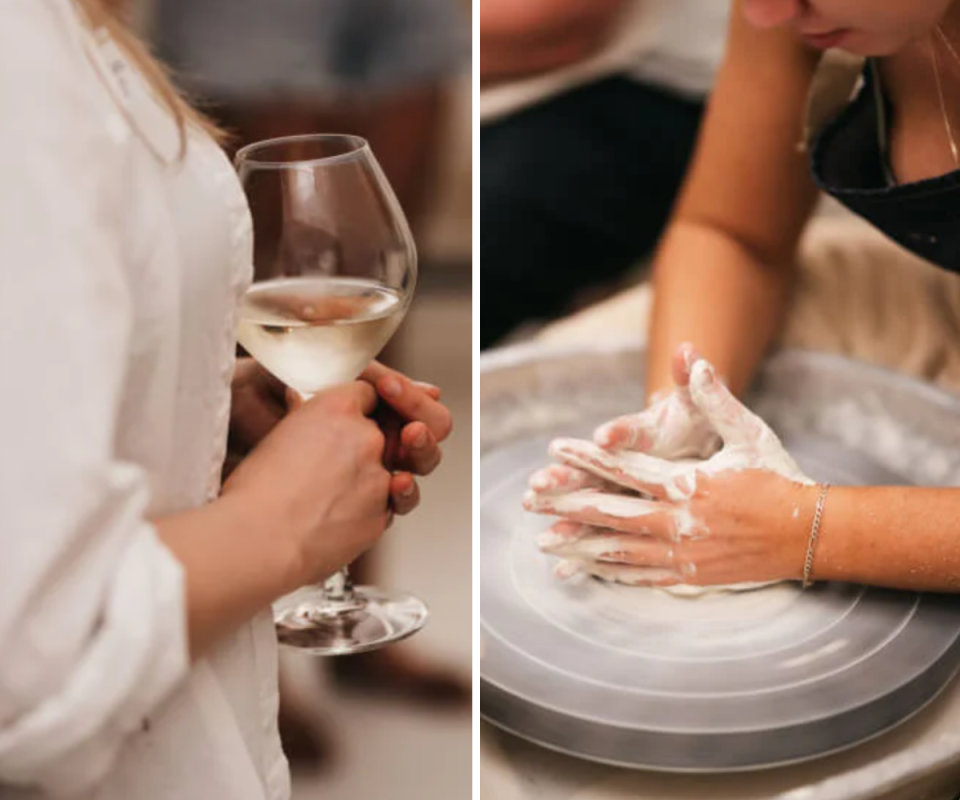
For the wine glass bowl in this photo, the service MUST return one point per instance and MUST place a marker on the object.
(335, 261)
(335, 270)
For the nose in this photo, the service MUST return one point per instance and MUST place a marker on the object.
(771, 13)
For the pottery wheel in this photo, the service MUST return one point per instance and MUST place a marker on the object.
(640, 678)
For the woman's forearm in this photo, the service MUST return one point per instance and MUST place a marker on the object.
(711, 291)
(235, 563)
(724, 270)
(901, 537)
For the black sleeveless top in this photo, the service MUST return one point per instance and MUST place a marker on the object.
(850, 162)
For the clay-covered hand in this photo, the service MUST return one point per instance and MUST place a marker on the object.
(741, 515)
(739, 529)
(671, 427)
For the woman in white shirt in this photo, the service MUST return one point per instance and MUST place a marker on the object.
(137, 652)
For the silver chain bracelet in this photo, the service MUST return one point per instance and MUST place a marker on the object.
(814, 533)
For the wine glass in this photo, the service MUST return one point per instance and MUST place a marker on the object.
(335, 272)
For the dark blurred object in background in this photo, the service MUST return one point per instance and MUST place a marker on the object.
(589, 113)
(374, 68)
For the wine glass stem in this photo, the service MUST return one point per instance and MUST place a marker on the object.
(338, 587)
(337, 590)
(338, 594)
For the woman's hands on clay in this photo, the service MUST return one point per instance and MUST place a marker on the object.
(671, 427)
(414, 427)
(737, 527)
(742, 515)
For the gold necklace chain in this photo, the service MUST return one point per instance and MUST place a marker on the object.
(943, 105)
(946, 40)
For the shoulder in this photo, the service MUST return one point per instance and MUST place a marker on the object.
(38, 32)
(47, 65)
(70, 144)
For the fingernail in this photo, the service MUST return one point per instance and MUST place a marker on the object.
(539, 483)
(548, 539)
(702, 375)
(421, 440)
(566, 569)
(558, 447)
(409, 490)
(603, 436)
(391, 387)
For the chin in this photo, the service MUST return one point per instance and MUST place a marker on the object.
(860, 44)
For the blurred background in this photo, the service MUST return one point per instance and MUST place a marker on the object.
(589, 114)
(395, 723)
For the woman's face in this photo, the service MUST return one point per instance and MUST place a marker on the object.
(864, 27)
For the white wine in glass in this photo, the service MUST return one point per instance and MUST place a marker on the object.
(311, 332)
(335, 272)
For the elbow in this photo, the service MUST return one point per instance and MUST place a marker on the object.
(65, 713)
(771, 254)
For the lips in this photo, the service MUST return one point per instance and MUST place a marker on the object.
(826, 39)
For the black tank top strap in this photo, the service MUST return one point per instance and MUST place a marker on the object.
(849, 158)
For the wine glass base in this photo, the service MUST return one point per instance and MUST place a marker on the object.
(305, 620)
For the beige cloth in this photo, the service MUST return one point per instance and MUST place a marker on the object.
(857, 294)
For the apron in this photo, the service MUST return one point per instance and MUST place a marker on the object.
(846, 136)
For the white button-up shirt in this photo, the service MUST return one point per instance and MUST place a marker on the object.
(120, 272)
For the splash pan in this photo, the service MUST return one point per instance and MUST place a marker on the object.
(640, 678)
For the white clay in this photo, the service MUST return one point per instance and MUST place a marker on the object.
(748, 443)
(622, 506)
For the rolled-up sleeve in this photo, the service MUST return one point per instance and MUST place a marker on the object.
(92, 619)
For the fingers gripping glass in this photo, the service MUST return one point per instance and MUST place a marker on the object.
(335, 272)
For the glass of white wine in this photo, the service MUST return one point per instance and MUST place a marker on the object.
(336, 268)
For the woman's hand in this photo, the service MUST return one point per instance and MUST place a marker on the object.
(671, 427)
(741, 515)
(258, 403)
(414, 422)
(737, 527)
(313, 492)
(318, 479)
(413, 418)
